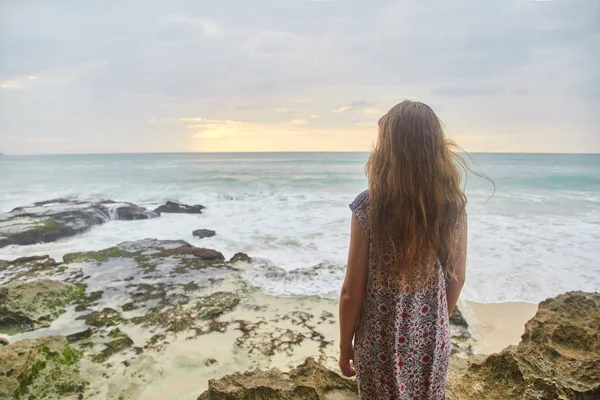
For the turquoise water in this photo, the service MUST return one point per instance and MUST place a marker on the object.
(537, 236)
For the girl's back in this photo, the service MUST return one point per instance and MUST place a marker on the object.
(409, 223)
(402, 341)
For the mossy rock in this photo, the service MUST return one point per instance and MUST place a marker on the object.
(31, 305)
(98, 256)
(172, 319)
(87, 300)
(43, 232)
(45, 368)
(105, 318)
(240, 257)
(118, 342)
(215, 305)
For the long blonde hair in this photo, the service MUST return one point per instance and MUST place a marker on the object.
(416, 198)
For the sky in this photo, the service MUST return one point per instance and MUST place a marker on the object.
(290, 75)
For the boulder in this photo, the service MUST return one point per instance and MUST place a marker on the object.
(558, 357)
(308, 381)
(132, 212)
(55, 219)
(26, 306)
(171, 207)
(204, 233)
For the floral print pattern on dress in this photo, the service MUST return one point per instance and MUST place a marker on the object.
(402, 342)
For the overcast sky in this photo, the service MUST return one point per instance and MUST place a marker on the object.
(283, 75)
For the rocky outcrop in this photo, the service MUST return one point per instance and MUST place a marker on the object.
(176, 208)
(27, 306)
(55, 219)
(308, 381)
(204, 233)
(558, 357)
(46, 368)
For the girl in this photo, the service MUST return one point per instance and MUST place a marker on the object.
(406, 263)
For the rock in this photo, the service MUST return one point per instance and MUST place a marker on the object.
(145, 251)
(105, 318)
(240, 257)
(76, 337)
(462, 341)
(55, 219)
(45, 368)
(29, 268)
(176, 208)
(32, 259)
(4, 340)
(308, 381)
(215, 305)
(132, 212)
(558, 357)
(27, 306)
(457, 319)
(204, 233)
(88, 300)
(118, 342)
(209, 361)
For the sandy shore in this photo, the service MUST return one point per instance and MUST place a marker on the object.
(184, 375)
(180, 371)
(497, 325)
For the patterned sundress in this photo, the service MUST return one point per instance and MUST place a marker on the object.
(402, 342)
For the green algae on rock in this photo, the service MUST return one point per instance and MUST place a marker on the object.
(119, 341)
(213, 306)
(308, 381)
(30, 305)
(46, 368)
(148, 252)
(28, 268)
(105, 318)
(88, 300)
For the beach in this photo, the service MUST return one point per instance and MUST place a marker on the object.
(169, 311)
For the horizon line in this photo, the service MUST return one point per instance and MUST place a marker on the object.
(265, 152)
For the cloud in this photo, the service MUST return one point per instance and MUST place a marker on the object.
(469, 90)
(104, 72)
(342, 109)
(360, 104)
(314, 116)
(209, 28)
(353, 105)
(372, 111)
(299, 122)
(18, 83)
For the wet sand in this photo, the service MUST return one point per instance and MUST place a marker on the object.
(497, 325)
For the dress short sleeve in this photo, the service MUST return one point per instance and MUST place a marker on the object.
(360, 208)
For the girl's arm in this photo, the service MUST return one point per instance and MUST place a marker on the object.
(455, 285)
(353, 292)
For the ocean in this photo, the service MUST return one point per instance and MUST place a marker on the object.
(537, 236)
